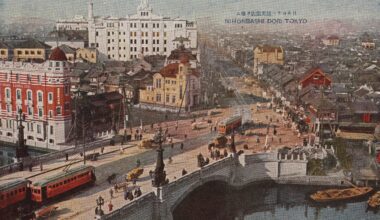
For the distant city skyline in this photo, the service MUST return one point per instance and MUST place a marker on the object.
(200, 10)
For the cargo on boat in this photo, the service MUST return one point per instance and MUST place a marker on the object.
(374, 200)
(331, 195)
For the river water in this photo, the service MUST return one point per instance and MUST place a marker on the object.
(8, 154)
(218, 201)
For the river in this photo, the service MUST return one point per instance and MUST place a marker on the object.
(8, 153)
(218, 201)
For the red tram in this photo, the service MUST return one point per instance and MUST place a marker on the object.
(229, 124)
(61, 183)
(13, 192)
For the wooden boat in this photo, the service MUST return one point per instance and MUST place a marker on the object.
(331, 195)
(374, 200)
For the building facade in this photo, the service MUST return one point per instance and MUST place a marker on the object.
(331, 41)
(87, 54)
(42, 92)
(176, 86)
(315, 77)
(78, 23)
(267, 54)
(145, 33)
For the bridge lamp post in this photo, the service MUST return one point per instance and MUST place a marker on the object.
(21, 150)
(99, 202)
(159, 173)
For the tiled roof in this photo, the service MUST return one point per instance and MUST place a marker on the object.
(170, 70)
(32, 43)
(3, 45)
(180, 52)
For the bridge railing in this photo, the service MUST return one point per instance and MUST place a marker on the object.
(132, 206)
(10, 168)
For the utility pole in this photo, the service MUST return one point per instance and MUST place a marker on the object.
(84, 138)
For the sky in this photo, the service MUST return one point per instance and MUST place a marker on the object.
(209, 10)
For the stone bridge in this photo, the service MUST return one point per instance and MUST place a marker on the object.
(236, 171)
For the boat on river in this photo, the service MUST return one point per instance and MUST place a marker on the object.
(374, 200)
(331, 195)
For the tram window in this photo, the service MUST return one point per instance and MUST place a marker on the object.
(65, 181)
(16, 192)
(1, 197)
(11, 193)
(20, 190)
(60, 183)
(23, 189)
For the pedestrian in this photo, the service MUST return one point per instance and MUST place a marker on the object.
(21, 166)
(185, 136)
(182, 146)
(31, 167)
(170, 160)
(121, 150)
(110, 206)
(141, 136)
(172, 145)
(258, 140)
(275, 132)
(279, 140)
(102, 150)
(151, 126)
(151, 174)
(138, 163)
(41, 167)
(184, 172)
(111, 193)
(225, 154)
(67, 156)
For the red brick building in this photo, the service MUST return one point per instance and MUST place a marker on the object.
(315, 77)
(42, 91)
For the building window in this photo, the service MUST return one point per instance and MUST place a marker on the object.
(29, 95)
(18, 94)
(39, 96)
(30, 111)
(50, 113)
(180, 91)
(50, 97)
(167, 98)
(158, 97)
(17, 77)
(51, 130)
(173, 99)
(39, 79)
(38, 129)
(40, 112)
(59, 110)
(7, 93)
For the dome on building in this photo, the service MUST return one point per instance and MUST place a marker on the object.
(58, 55)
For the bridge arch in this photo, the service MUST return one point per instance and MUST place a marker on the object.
(197, 184)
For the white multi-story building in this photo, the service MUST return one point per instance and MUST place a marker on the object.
(78, 23)
(143, 33)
